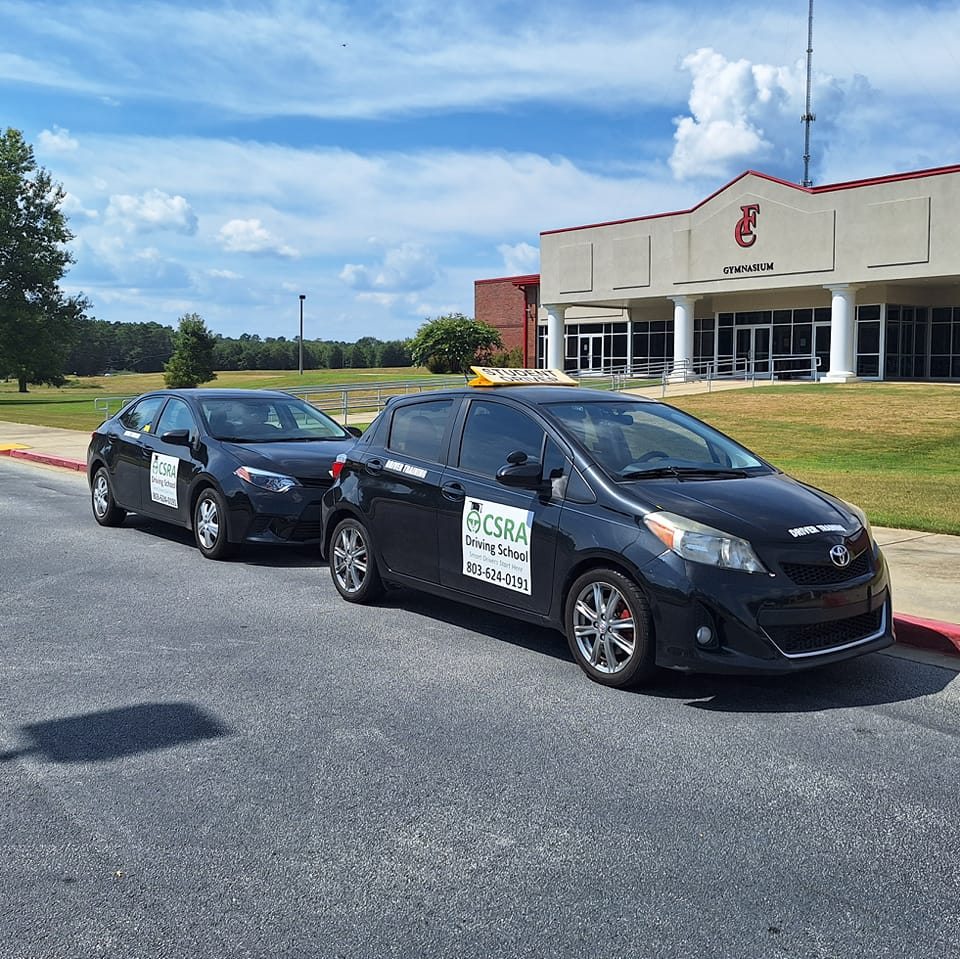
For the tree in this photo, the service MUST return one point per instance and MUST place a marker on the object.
(192, 360)
(37, 321)
(453, 343)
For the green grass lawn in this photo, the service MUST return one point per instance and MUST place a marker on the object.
(72, 406)
(893, 448)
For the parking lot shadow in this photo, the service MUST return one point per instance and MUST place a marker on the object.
(284, 556)
(114, 733)
(538, 639)
(871, 680)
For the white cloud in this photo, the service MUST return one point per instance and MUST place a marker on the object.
(153, 210)
(73, 206)
(250, 236)
(404, 268)
(57, 141)
(732, 104)
(519, 259)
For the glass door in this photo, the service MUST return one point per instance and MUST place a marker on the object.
(591, 351)
(753, 350)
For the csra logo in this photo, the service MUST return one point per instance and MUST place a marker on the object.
(743, 232)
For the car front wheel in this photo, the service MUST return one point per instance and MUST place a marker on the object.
(609, 629)
(210, 525)
(105, 510)
(352, 565)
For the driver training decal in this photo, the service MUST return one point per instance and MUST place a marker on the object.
(163, 479)
(496, 544)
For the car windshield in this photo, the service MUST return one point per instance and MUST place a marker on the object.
(634, 440)
(268, 419)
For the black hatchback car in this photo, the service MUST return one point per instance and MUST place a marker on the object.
(235, 466)
(647, 537)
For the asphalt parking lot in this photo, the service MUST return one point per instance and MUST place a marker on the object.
(225, 759)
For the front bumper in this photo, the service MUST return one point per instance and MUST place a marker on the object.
(275, 518)
(761, 624)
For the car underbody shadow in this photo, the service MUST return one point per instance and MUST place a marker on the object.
(870, 680)
(873, 679)
(250, 554)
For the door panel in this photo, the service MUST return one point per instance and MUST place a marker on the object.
(496, 542)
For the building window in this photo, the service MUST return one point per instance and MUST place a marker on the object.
(652, 345)
(945, 342)
(907, 351)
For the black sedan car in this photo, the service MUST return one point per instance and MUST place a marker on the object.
(235, 466)
(647, 537)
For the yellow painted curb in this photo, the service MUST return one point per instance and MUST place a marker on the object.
(6, 447)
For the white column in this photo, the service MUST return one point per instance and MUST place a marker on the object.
(555, 315)
(682, 336)
(843, 323)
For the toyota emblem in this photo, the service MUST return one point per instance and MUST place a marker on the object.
(840, 556)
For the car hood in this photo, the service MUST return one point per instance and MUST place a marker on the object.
(772, 508)
(310, 459)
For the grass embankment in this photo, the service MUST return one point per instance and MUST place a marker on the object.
(893, 448)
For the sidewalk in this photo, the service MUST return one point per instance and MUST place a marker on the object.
(924, 567)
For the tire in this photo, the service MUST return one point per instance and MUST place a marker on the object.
(105, 509)
(210, 525)
(353, 567)
(609, 629)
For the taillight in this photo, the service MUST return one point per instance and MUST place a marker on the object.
(338, 465)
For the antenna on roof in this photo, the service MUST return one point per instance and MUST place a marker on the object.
(808, 117)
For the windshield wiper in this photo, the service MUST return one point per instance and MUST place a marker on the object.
(685, 472)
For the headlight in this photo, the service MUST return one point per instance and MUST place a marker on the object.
(703, 544)
(274, 482)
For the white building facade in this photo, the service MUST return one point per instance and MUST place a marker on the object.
(848, 281)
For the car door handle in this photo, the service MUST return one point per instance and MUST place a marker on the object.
(453, 491)
(373, 466)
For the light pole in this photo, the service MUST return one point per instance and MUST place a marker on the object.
(303, 296)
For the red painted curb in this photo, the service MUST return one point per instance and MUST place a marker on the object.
(51, 459)
(927, 633)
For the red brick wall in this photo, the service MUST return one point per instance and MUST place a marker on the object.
(503, 304)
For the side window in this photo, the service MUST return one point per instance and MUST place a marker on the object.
(417, 430)
(176, 415)
(494, 431)
(141, 414)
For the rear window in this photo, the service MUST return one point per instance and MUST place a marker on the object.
(418, 430)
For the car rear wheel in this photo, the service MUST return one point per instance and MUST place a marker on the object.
(609, 629)
(210, 525)
(352, 565)
(105, 510)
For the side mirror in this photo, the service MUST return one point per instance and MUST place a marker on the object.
(525, 475)
(176, 437)
(354, 430)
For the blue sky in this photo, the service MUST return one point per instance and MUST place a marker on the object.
(222, 158)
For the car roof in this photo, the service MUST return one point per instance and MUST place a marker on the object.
(535, 395)
(218, 393)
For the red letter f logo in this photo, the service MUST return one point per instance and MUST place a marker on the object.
(743, 233)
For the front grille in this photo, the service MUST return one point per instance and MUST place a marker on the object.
(821, 637)
(828, 575)
(316, 482)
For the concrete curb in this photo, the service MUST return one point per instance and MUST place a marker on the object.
(50, 459)
(927, 633)
(910, 630)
